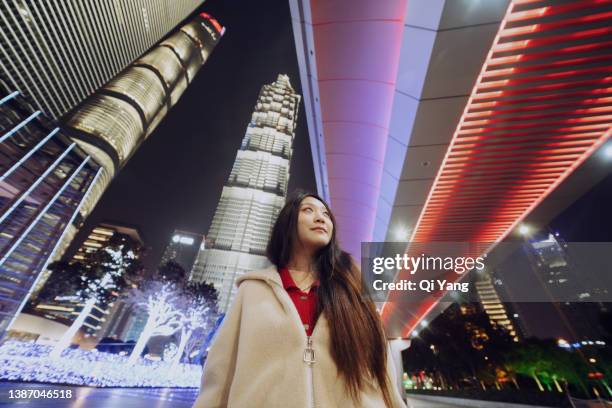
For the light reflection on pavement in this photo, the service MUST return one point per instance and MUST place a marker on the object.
(415, 402)
(88, 397)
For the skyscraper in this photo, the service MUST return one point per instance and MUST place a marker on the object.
(183, 249)
(45, 179)
(253, 195)
(497, 311)
(60, 52)
(570, 287)
(111, 124)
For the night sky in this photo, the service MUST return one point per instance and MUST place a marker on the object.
(175, 179)
(588, 219)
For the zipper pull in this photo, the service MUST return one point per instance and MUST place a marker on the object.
(309, 354)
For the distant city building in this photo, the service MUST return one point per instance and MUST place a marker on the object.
(569, 287)
(550, 259)
(59, 53)
(99, 237)
(45, 179)
(103, 315)
(253, 195)
(497, 311)
(183, 249)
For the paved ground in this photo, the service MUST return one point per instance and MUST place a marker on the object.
(85, 397)
(418, 403)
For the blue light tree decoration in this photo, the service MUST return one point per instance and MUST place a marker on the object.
(195, 317)
(114, 265)
(163, 302)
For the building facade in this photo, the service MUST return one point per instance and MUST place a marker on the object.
(113, 123)
(499, 313)
(569, 287)
(253, 195)
(183, 249)
(59, 53)
(45, 179)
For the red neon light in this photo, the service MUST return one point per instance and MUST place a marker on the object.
(213, 21)
(542, 104)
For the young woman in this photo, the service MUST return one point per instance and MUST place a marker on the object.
(300, 334)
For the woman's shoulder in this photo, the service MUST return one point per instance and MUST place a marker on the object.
(266, 276)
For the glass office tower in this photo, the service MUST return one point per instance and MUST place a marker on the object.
(45, 179)
(183, 249)
(90, 66)
(113, 123)
(253, 194)
(60, 52)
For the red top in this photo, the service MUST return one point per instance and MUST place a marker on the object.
(305, 303)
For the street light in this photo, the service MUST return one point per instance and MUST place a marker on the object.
(401, 234)
(523, 229)
(608, 151)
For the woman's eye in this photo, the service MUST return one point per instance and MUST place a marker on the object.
(308, 209)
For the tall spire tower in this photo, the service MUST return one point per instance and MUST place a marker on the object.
(253, 195)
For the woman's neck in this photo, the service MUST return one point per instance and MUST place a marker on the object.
(301, 261)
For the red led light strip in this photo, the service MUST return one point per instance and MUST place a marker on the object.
(540, 107)
(213, 21)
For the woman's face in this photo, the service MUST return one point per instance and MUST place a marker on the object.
(314, 224)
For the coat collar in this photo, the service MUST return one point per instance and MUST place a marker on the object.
(271, 276)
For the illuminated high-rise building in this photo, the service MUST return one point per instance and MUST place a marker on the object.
(497, 311)
(183, 249)
(93, 68)
(45, 179)
(61, 52)
(111, 124)
(253, 195)
(575, 295)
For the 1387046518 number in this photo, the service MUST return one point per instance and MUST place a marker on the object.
(40, 394)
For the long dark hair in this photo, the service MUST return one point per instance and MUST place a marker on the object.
(358, 342)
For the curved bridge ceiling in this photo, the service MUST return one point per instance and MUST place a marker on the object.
(447, 152)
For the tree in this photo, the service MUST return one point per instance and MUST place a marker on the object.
(201, 333)
(547, 364)
(107, 271)
(199, 314)
(173, 272)
(65, 279)
(162, 304)
(461, 346)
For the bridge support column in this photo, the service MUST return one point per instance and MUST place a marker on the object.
(397, 346)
